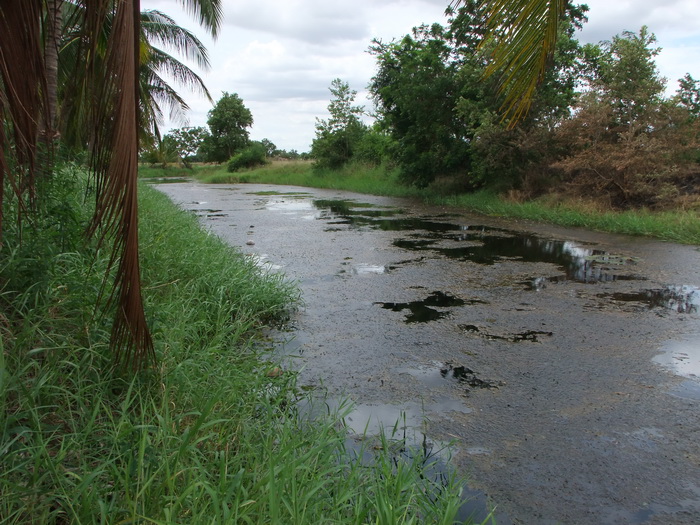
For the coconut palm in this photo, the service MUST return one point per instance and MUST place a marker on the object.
(524, 35)
(156, 94)
(108, 103)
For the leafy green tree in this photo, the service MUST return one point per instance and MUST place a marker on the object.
(518, 157)
(337, 137)
(521, 37)
(270, 148)
(187, 142)
(626, 77)
(228, 121)
(688, 95)
(416, 89)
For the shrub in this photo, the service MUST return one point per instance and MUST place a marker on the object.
(253, 155)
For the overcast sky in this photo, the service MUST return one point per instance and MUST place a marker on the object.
(280, 56)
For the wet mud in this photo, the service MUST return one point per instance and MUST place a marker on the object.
(561, 365)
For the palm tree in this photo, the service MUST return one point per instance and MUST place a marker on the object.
(524, 36)
(159, 30)
(109, 104)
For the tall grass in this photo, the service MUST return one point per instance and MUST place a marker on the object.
(209, 435)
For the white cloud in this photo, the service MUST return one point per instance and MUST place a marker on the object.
(280, 56)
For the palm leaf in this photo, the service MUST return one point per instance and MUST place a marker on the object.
(114, 161)
(525, 34)
(162, 30)
(23, 95)
(209, 13)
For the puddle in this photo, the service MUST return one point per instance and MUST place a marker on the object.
(682, 299)
(489, 246)
(292, 205)
(360, 214)
(540, 283)
(368, 269)
(528, 335)
(681, 357)
(688, 389)
(424, 311)
(405, 441)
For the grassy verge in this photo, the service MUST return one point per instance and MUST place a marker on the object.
(681, 226)
(210, 435)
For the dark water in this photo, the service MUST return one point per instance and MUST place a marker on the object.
(558, 367)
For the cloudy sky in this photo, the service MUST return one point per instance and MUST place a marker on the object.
(280, 56)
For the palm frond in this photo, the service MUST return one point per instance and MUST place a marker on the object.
(209, 13)
(183, 75)
(524, 36)
(115, 164)
(23, 100)
(161, 30)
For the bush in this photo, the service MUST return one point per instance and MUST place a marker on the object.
(253, 155)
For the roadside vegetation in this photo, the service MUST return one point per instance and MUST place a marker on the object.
(599, 144)
(210, 435)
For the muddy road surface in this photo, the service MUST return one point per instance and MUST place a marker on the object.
(561, 364)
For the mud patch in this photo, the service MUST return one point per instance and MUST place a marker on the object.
(528, 335)
(424, 311)
(210, 214)
(467, 376)
(288, 193)
(436, 374)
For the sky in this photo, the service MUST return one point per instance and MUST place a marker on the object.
(280, 56)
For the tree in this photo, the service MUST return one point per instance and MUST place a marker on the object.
(626, 77)
(337, 138)
(108, 69)
(625, 142)
(187, 142)
(270, 148)
(688, 95)
(228, 121)
(159, 33)
(253, 155)
(419, 81)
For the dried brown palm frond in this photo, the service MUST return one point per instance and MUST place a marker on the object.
(22, 98)
(110, 99)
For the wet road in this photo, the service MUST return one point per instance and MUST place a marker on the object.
(562, 364)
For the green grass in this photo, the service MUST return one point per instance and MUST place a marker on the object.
(207, 436)
(681, 226)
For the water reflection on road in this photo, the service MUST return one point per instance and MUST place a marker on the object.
(560, 363)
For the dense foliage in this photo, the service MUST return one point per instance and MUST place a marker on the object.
(228, 123)
(337, 138)
(253, 155)
(599, 124)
